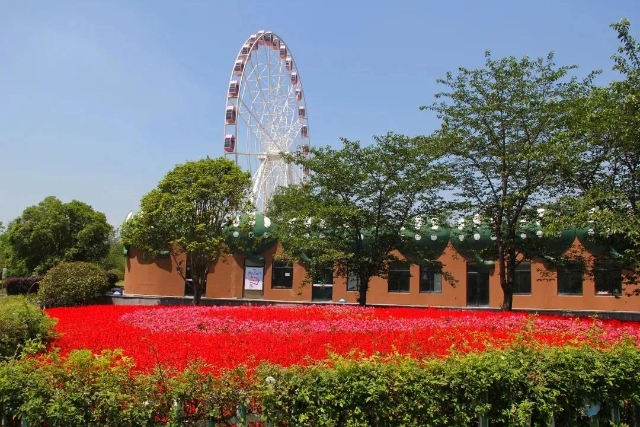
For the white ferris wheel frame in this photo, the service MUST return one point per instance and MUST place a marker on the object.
(267, 118)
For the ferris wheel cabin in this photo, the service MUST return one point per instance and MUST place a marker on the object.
(260, 36)
(231, 115)
(275, 43)
(268, 39)
(304, 131)
(229, 143)
(238, 68)
(283, 51)
(288, 63)
(294, 78)
(299, 94)
(234, 89)
(302, 112)
(245, 51)
(252, 42)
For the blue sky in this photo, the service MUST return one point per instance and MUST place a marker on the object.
(99, 99)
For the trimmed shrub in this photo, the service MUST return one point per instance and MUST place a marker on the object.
(72, 283)
(22, 323)
(22, 285)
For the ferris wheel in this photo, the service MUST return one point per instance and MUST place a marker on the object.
(266, 115)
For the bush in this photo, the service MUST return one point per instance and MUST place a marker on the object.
(22, 285)
(113, 277)
(511, 387)
(86, 389)
(72, 283)
(22, 323)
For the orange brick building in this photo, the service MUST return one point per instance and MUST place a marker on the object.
(473, 282)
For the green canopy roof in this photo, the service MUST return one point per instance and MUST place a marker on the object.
(426, 235)
(251, 235)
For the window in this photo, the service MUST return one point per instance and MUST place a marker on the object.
(570, 279)
(324, 275)
(607, 276)
(430, 279)
(353, 281)
(399, 277)
(282, 275)
(522, 279)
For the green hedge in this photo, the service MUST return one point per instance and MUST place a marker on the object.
(509, 387)
(22, 285)
(23, 325)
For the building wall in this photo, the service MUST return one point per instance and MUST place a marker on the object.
(147, 276)
(544, 291)
(226, 280)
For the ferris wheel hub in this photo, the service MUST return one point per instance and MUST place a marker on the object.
(271, 156)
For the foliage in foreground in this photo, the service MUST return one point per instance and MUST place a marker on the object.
(508, 386)
(22, 324)
(72, 283)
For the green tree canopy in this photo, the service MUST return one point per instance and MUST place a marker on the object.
(355, 203)
(187, 214)
(53, 231)
(606, 181)
(504, 136)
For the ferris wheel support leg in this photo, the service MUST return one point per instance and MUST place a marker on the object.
(259, 177)
(290, 174)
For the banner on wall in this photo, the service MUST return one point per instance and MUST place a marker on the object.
(253, 277)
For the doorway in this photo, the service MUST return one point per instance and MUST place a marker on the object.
(477, 285)
(322, 287)
(253, 279)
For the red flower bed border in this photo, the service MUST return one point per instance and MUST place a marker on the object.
(225, 337)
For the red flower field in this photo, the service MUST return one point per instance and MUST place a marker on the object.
(228, 336)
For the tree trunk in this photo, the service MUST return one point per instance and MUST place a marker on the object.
(507, 264)
(197, 291)
(362, 295)
(200, 271)
(507, 289)
(507, 302)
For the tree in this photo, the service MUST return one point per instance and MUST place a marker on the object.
(52, 232)
(114, 260)
(4, 247)
(15, 268)
(606, 182)
(503, 133)
(352, 208)
(187, 214)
